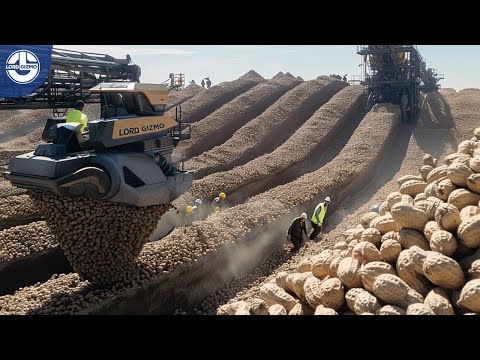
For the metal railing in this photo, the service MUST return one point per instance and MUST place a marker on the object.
(183, 130)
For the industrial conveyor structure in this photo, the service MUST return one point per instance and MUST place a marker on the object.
(396, 74)
(175, 82)
(72, 74)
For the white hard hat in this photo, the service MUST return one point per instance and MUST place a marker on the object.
(199, 201)
(327, 198)
(304, 215)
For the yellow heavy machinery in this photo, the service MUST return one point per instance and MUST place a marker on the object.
(103, 190)
(125, 157)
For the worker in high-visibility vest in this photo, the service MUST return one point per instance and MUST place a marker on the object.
(318, 216)
(76, 115)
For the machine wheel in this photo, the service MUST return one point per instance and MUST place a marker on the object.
(90, 182)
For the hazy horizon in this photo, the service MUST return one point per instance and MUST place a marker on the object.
(229, 62)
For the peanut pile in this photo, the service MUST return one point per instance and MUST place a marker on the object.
(420, 255)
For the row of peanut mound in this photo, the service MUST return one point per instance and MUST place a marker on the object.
(420, 255)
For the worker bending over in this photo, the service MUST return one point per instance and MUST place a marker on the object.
(296, 230)
(198, 210)
(219, 202)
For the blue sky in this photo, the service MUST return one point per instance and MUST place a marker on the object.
(459, 63)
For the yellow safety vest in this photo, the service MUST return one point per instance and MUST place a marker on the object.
(319, 213)
(77, 117)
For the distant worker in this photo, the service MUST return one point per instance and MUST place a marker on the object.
(203, 83)
(219, 202)
(198, 210)
(376, 208)
(76, 115)
(296, 230)
(209, 83)
(188, 215)
(318, 216)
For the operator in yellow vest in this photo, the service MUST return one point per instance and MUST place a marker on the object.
(77, 116)
(318, 216)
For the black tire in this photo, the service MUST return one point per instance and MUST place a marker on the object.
(90, 182)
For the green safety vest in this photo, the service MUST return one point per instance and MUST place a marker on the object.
(319, 213)
(77, 117)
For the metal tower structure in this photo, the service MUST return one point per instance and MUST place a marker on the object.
(396, 74)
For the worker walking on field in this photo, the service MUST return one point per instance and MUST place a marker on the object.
(219, 202)
(296, 230)
(318, 216)
(209, 83)
(203, 83)
(188, 218)
(198, 210)
(76, 115)
(188, 215)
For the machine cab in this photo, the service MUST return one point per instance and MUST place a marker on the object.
(131, 113)
(126, 100)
